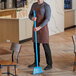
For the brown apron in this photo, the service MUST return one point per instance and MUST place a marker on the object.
(42, 34)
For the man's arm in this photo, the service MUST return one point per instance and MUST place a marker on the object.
(47, 16)
(31, 13)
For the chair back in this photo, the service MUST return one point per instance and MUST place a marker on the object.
(15, 48)
(74, 42)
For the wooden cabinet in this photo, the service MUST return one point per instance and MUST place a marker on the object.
(15, 30)
(10, 13)
(69, 18)
(9, 30)
(13, 13)
(25, 29)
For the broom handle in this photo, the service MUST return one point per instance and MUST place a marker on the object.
(36, 39)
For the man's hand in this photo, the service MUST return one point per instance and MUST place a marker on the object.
(34, 18)
(37, 28)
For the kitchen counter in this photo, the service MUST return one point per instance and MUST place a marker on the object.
(8, 9)
(68, 10)
(11, 9)
(8, 13)
(13, 18)
(15, 30)
(69, 18)
(13, 13)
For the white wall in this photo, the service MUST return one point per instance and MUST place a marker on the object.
(56, 23)
(74, 7)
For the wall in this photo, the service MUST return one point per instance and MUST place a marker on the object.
(56, 23)
(74, 7)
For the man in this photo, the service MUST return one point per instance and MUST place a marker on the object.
(43, 13)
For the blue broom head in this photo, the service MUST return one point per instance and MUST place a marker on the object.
(37, 70)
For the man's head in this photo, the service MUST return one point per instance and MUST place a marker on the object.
(40, 1)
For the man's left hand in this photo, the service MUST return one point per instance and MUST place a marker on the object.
(37, 28)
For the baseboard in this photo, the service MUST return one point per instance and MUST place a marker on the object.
(25, 40)
(70, 27)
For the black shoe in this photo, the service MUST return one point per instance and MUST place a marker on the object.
(48, 67)
(32, 65)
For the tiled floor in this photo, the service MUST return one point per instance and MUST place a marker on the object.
(62, 54)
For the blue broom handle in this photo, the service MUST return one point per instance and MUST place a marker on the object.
(36, 39)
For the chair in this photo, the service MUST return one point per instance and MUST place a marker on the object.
(74, 42)
(15, 48)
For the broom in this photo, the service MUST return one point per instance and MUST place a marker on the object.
(37, 69)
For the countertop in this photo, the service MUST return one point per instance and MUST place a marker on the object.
(11, 9)
(15, 18)
(8, 9)
(68, 10)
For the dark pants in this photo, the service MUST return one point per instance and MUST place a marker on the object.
(47, 53)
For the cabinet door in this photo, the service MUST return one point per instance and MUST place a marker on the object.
(25, 29)
(22, 29)
(29, 25)
(69, 19)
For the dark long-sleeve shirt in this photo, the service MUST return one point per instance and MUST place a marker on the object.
(45, 11)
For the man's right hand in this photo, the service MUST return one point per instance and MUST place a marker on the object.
(34, 18)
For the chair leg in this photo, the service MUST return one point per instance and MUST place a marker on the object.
(0, 71)
(8, 71)
(74, 66)
(16, 71)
